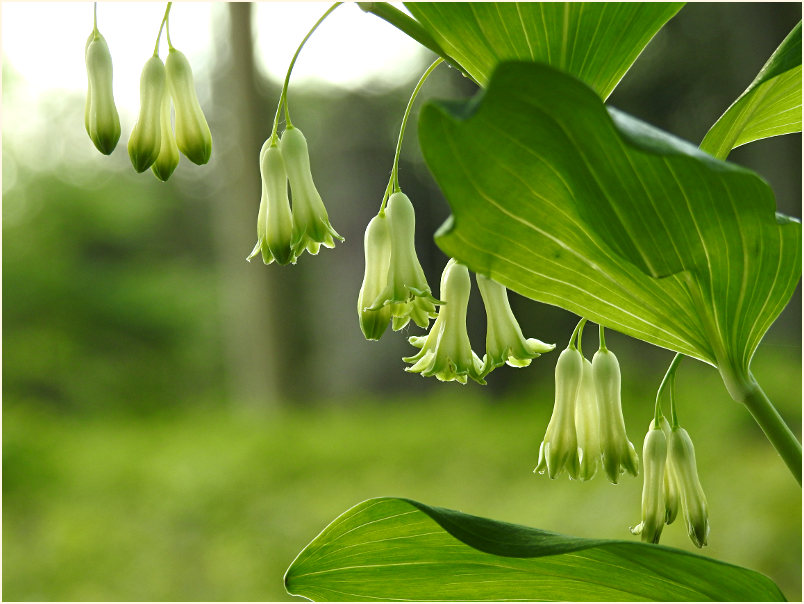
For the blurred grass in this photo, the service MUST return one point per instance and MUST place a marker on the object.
(209, 504)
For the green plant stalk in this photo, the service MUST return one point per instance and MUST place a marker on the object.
(746, 390)
(393, 183)
(669, 377)
(576, 333)
(743, 388)
(284, 95)
(162, 25)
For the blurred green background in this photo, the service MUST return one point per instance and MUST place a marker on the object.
(178, 424)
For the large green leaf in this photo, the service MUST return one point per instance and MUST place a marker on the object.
(569, 203)
(596, 41)
(770, 106)
(396, 549)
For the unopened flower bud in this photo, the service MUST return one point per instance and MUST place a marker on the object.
(192, 132)
(587, 425)
(100, 114)
(168, 157)
(654, 454)
(672, 498)
(377, 248)
(559, 449)
(446, 352)
(146, 138)
(504, 340)
(618, 452)
(681, 455)
(311, 227)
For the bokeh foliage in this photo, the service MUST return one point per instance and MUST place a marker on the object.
(132, 472)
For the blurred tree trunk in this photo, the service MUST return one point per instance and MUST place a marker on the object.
(249, 314)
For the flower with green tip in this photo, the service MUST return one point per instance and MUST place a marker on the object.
(145, 142)
(406, 289)
(192, 132)
(274, 221)
(559, 449)
(654, 455)
(100, 113)
(446, 352)
(587, 425)
(168, 157)
(618, 452)
(311, 227)
(377, 249)
(505, 343)
(672, 497)
(681, 456)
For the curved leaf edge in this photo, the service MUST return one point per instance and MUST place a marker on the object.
(527, 541)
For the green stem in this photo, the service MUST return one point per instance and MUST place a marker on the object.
(161, 26)
(167, 28)
(673, 416)
(575, 333)
(393, 183)
(283, 96)
(746, 390)
(95, 18)
(602, 336)
(671, 372)
(411, 27)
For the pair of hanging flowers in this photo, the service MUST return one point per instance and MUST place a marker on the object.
(671, 476)
(283, 234)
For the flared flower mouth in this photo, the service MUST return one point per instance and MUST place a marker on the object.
(505, 343)
(654, 454)
(406, 290)
(618, 453)
(559, 449)
(446, 352)
(311, 227)
(681, 456)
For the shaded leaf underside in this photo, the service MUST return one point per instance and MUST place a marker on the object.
(396, 549)
(571, 204)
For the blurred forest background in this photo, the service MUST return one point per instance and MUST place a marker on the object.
(178, 423)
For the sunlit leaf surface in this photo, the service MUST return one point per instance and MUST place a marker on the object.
(588, 209)
(769, 107)
(597, 41)
(396, 549)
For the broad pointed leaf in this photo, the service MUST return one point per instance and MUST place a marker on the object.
(396, 549)
(770, 106)
(569, 203)
(595, 41)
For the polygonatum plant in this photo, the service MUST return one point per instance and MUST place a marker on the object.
(567, 201)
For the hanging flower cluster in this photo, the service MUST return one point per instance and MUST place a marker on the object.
(587, 429)
(672, 481)
(152, 143)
